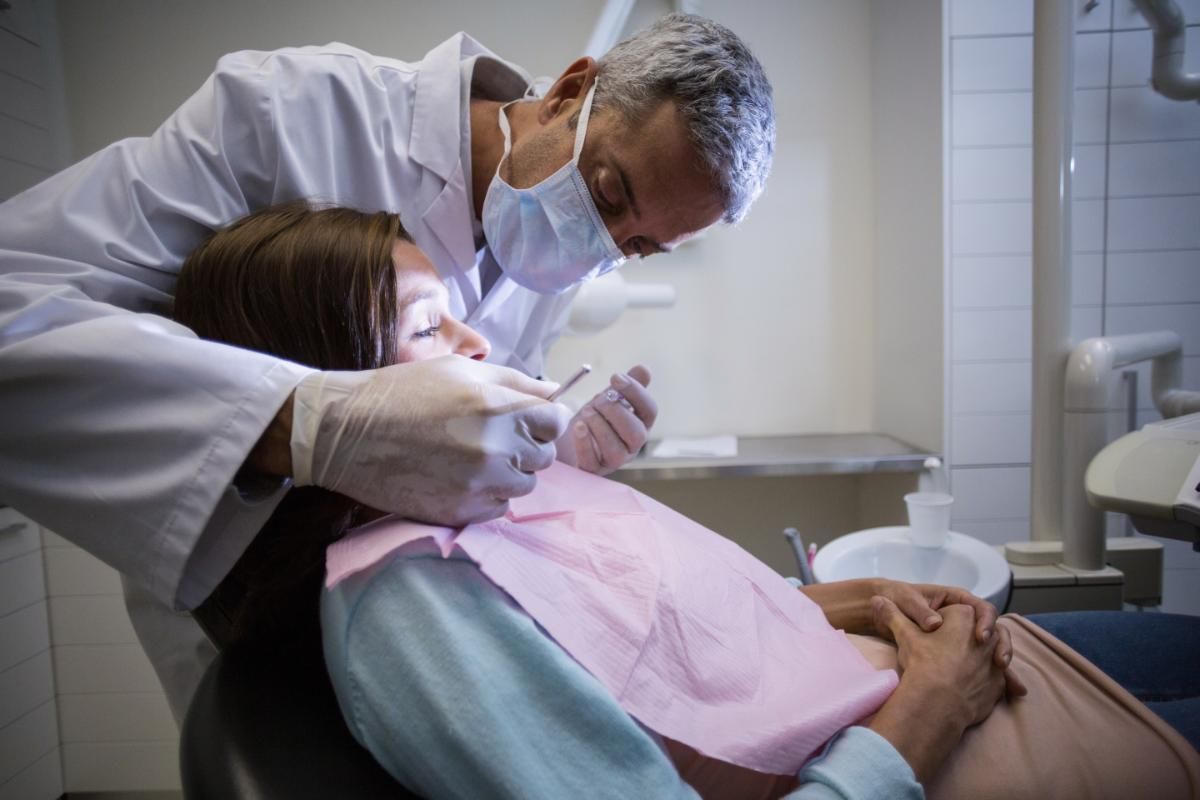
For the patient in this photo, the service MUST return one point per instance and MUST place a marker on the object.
(444, 675)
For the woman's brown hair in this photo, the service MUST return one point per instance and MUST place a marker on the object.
(316, 286)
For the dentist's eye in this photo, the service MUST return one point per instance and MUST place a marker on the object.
(429, 332)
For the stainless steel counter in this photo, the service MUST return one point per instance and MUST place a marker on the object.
(811, 454)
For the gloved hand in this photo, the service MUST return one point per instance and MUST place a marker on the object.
(447, 441)
(611, 428)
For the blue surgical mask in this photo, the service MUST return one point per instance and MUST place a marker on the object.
(549, 237)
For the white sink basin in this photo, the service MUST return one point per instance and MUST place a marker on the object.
(889, 553)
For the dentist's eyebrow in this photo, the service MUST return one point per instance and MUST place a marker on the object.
(628, 189)
(633, 206)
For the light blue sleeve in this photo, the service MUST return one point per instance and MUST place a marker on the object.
(858, 764)
(459, 694)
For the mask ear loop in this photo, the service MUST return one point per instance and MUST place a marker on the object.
(581, 125)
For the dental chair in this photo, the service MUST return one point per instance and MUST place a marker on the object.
(261, 728)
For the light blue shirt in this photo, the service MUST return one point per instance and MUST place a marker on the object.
(459, 694)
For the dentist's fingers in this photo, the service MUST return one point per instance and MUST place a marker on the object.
(609, 448)
(634, 387)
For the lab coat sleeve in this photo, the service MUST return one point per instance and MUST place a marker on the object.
(458, 693)
(119, 429)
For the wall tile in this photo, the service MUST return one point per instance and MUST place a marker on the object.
(114, 767)
(1096, 18)
(1166, 277)
(1090, 124)
(994, 119)
(1091, 60)
(1002, 64)
(1087, 279)
(993, 173)
(987, 17)
(41, 780)
(16, 178)
(21, 582)
(27, 739)
(22, 59)
(1087, 226)
(70, 571)
(992, 228)
(1181, 591)
(1087, 181)
(25, 101)
(996, 387)
(992, 335)
(1154, 168)
(1086, 322)
(103, 668)
(25, 633)
(990, 493)
(992, 282)
(1154, 223)
(18, 535)
(1191, 381)
(1133, 56)
(90, 620)
(1143, 115)
(25, 143)
(141, 717)
(25, 686)
(1183, 319)
(990, 439)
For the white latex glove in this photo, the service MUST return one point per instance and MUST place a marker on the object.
(448, 441)
(611, 428)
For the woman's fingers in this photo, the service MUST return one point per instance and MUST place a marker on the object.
(890, 619)
(916, 606)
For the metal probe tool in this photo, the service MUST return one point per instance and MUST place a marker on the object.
(571, 381)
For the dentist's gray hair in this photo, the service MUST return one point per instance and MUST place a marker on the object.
(715, 82)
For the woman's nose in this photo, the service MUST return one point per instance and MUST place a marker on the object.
(471, 343)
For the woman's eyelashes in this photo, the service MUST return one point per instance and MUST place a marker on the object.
(427, 333)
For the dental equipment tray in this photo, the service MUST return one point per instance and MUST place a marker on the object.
(802, 454)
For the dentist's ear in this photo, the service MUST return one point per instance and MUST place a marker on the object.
(573, 84)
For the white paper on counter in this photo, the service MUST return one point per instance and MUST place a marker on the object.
(697, 447)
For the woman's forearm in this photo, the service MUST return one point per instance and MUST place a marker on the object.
(920, 724)
(847, 604)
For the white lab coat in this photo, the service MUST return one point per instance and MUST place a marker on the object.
(122, 431)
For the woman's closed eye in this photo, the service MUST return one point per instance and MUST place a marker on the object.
(427, 333)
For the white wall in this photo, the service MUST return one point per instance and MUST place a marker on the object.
(906, 98)
(1135, 242)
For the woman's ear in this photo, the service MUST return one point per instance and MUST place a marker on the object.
(573, 84)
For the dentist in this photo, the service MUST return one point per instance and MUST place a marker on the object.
(163, 454)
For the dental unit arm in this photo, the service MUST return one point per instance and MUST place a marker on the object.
(1136, 473)
(1153, 475)
(1170, 32)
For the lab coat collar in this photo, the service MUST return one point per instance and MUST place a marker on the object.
(437, 134)
(436, 143)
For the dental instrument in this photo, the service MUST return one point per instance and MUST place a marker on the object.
(806, 573)
(571, 381)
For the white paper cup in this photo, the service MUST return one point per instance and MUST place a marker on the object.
(928, 517)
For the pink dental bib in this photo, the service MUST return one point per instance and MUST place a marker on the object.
(697, 640)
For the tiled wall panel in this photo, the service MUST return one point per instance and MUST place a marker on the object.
(1135, 227)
